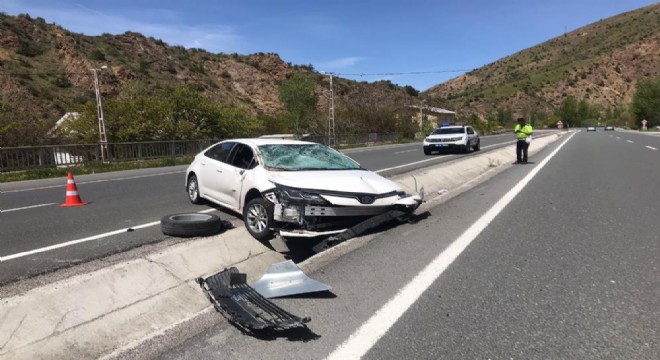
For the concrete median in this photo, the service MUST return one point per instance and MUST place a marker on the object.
(91, 315)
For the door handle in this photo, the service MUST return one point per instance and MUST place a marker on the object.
(218, 170)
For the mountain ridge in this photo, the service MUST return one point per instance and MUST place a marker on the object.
(46, 71)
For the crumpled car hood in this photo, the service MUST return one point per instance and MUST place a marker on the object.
(355, 181)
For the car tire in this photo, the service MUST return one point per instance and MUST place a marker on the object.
(467, 148)
(427, 152)
(477, 147)
(191, 225)
(258, 218)
(192, 188)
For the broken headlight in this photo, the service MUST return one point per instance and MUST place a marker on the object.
(292, 195)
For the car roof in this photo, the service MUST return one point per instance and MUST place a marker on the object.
(267, 141)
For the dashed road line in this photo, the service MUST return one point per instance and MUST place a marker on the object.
(26, 207)
(83, 240)
(95, 181)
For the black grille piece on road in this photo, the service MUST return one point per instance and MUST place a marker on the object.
(245, 307)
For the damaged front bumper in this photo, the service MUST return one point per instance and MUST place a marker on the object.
(304, 213)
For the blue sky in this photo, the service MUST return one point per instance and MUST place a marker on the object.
(416, 42)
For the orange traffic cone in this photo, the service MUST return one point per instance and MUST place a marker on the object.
(72, 197)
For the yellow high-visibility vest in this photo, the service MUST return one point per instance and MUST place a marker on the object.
(525, 131)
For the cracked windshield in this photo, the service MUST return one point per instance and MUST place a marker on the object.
(305, 157)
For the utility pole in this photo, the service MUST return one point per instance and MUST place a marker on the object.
(103, 140)
(332, 139)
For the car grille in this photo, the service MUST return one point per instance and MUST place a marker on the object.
(345, 210)
(440, 140)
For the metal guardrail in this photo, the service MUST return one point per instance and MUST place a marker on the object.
(50, 156)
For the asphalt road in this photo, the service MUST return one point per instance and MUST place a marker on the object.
(125, 208)
(558, 259)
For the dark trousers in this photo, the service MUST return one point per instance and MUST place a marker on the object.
(521, 150)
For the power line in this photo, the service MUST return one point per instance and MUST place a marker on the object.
(4, 72)
(404, 73)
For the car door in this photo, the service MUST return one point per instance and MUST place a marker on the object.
(471, 135)
(214, 171)
(240, 161)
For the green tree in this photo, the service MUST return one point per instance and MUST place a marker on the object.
(300, 101)
(18, 128)
(568, 112)
(411, 90)
(503, 117)
(176, 114)
(646, 101)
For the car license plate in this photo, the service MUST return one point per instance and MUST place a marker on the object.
(440, 145)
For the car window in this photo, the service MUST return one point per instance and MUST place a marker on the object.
(220, 152)
(470, 130)
(242, 157)
(445, 131)
(305, 157)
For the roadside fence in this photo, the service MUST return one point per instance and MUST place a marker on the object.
(51, 156)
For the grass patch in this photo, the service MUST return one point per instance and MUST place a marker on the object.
(91, 169)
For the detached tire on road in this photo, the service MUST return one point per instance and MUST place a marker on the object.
(191, 225)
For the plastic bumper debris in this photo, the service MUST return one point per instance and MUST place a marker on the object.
(243, 306)
(286, 278)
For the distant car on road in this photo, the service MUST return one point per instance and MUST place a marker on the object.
(462, 137)
(591, 128)
(609, 128)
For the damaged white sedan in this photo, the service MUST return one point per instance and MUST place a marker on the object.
(295, 188)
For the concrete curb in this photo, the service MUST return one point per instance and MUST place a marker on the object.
(89, 315)
(92, 315)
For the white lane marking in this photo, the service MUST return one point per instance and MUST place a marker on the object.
(651, 147)
(618, 137)
(406, 151)
(427, 160)
(365, 337)
(95, 181)
(90, 238)
(630, 141)
(27, 207)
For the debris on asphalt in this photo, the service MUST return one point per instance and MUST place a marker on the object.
(442, 191)
(243, 306)
(363, 227)
(286, 278)
(279, 244)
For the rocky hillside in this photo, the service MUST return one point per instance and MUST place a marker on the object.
(599, 63)
(45, 71)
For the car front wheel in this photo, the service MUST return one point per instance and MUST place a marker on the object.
(193, 190)
(477, 147)
(258, 217)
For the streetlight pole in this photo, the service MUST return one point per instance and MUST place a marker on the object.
(331, 112)
(103, 140)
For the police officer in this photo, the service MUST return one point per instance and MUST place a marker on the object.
(523, 131)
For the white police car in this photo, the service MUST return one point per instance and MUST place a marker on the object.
(453, 137)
